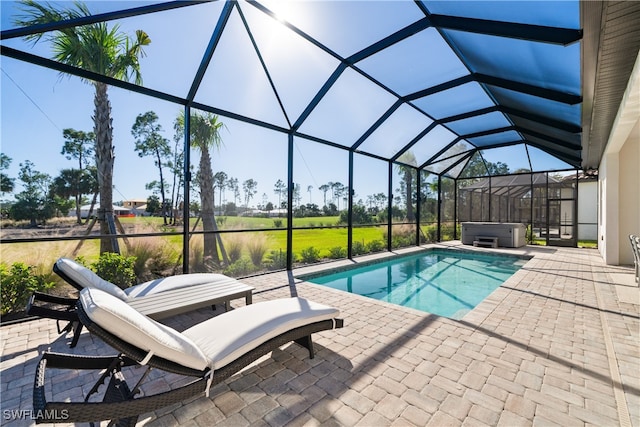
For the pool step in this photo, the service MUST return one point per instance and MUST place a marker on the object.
(486, 241)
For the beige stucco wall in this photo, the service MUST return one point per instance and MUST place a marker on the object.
(629, 215)
(619, 179)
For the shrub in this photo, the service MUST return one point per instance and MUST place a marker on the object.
(401, 242)
(143, 252)
(277, 223)
(239, 268)
(375, 246)
(18, 283)
(429, 233)
(153, 258)
(529, 235)
(257, 247)
(165, 263)
(337, 252)
(310, 255)
(402, 236)
(276, 260)
(358, 248)
(446, 231)
(115, 268)
(233, 246)
(196, 253)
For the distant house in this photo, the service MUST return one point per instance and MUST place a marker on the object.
(138, 206)
(262, 213)
(134, 203)
(117, 210)
(140, 210)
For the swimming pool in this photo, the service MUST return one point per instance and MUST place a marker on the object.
(443, 282)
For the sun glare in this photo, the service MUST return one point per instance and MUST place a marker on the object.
(284, 11)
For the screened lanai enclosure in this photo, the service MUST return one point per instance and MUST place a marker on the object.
(295, 132)
(547, 202)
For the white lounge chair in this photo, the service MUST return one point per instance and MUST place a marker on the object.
(210, 351)
(81, 277)
(159, 298)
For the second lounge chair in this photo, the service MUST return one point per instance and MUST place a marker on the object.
(158, 299)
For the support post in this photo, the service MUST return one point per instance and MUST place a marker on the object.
(455, 209)
(350, 209)
(390, 206)
(290, 185)
(418, 203)
(439, 228)
(187, 189)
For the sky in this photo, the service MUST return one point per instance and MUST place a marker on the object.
(36, 104)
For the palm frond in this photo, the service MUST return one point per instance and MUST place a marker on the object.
(38, 13)
(95, 47)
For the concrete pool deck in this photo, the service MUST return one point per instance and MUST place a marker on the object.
(557, 344)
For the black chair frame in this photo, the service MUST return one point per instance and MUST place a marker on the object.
(120, 404)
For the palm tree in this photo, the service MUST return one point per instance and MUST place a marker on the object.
(337, 190)
(279, 189)
(205, 134)
(249, 187)
(408, 176)
(220, 180)
(324, 188)
(309, 188)
(232, 184)
(103, 50)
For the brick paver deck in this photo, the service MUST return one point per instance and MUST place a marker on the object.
(557, 344)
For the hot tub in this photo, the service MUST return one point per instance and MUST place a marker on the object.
(509, 234)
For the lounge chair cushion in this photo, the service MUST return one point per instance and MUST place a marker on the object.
(83, 277)
(122, 320)
(175, 282)
(226, 337)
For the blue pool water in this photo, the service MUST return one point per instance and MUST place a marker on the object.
(446, 283)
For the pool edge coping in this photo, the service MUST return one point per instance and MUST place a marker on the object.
(355, 263)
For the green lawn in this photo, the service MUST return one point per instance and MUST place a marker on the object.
(320, 239)
(44, 254)
(245, 222)
(276, 238)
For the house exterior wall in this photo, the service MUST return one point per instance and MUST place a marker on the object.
(134, 203)
(619, 179)
(608, 212)
(629, 215)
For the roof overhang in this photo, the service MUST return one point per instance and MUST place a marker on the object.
(610, 48)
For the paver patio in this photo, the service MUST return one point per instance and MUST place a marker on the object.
(557, 344)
